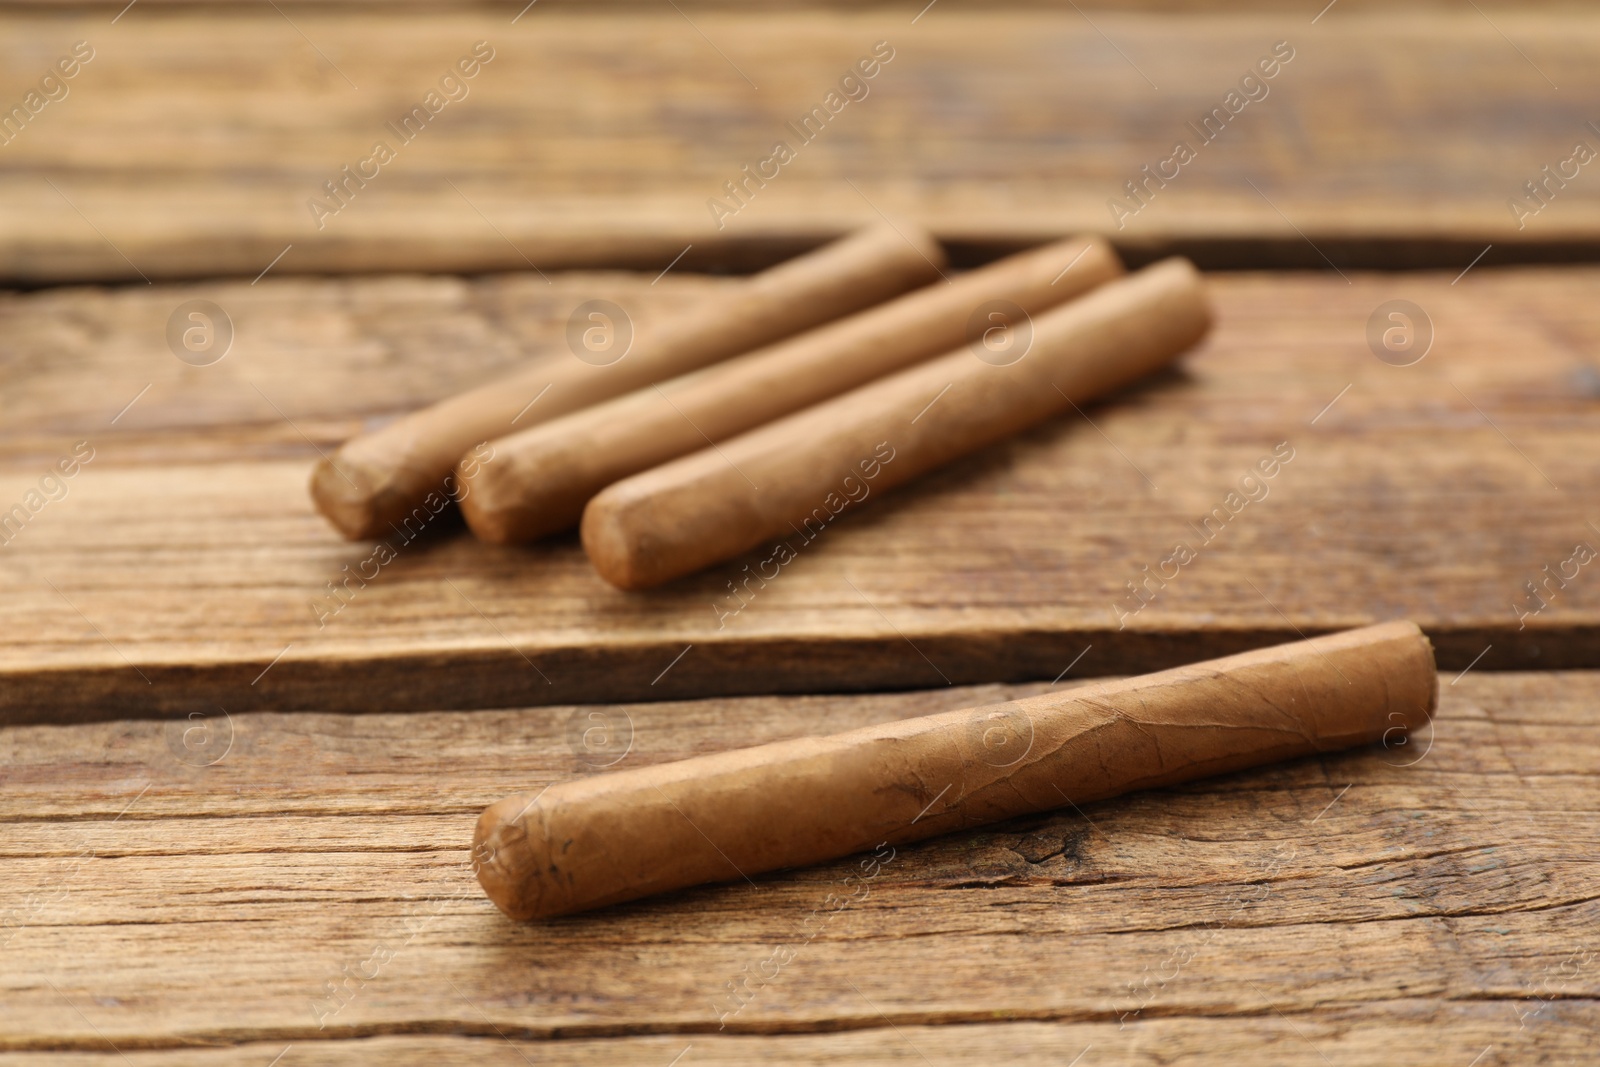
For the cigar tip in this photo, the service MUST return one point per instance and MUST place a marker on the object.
(1102, 255)
(1415, 668)
(1179, 265)
(1404, 656)
(1425, 645)
(1188, 276)
(927, 258)
(1433, 697)
(502, 857)
(609, 543)
(337, 492)
(920, 239)
(484, 503)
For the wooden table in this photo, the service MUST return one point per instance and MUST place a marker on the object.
(233, 835)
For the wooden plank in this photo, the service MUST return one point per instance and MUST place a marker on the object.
(1397, 1034)
(193, 142)
(185, 568)
(184, 899)
(494, 6)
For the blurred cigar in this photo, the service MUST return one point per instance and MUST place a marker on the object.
(540, 479)
(379, 478)
(619, 836)
(790, 478)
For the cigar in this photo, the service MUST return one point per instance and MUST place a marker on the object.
(627, 834)
(381, 477)
(539, 479)
(790, 478)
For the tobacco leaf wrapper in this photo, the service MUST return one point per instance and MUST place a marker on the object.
(628, 834)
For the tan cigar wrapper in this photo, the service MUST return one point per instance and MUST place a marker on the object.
(540, 478)
(765, 484)
(627, 834)
(382, 477)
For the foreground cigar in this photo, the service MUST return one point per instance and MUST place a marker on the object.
(793, 476)
(380, 477)
(620, 836)
(540, 478)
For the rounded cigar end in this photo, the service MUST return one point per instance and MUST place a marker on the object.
(1100, 264)
(613, 543)
(1188, 280)
(1424, 651)
(341, 492)
(486, 504)
(509, 501)
(1426, 662)
(1410, 684)
(1393, 664)
(509, 865)
(927, 247)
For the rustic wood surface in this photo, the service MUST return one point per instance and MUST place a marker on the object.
(191, 145)
(180, 892)
(222, 878)
(185, 569)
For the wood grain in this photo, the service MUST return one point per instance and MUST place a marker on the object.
(185, 567)
(192, 143)
(180, 891)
